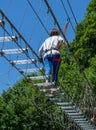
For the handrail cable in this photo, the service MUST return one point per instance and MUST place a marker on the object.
(37, 16)
(23, 17)
(67, 15)
(8, 6)
(34, 25)
(72, 12)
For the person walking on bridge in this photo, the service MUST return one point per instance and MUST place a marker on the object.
(52, 60)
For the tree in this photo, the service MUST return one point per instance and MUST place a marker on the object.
(84, 42)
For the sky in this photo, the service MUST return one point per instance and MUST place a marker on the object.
(33, 23)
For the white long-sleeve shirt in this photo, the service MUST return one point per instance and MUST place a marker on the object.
(51, 45)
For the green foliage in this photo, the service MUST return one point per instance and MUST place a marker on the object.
(70, 77)
(84, 43)
(23, 107)
(91, 73)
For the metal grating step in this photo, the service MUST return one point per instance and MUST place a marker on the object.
(37, 78)
(75, 114)
(51, 95)
(86, 126)
(70, 111)
(43, 84)
(67, 107)
(64, 103)
(13, 51)
(8, 38)
(23, 61)
(30, 71)
(77, 117)
(49, 89)
(57, 99)
(80, 119)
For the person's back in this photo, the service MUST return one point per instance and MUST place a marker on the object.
(51, 45)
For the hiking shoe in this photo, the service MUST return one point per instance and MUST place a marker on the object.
(53, 93)
(93, 119)
(46, 87)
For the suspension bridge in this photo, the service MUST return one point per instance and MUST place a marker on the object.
(17, 51)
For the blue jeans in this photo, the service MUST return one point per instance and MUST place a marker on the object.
(52, 62)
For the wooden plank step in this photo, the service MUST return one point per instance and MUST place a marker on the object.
(34, 70)
(37, 78)
(13, 51)
(8, 38)
(29, 61)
